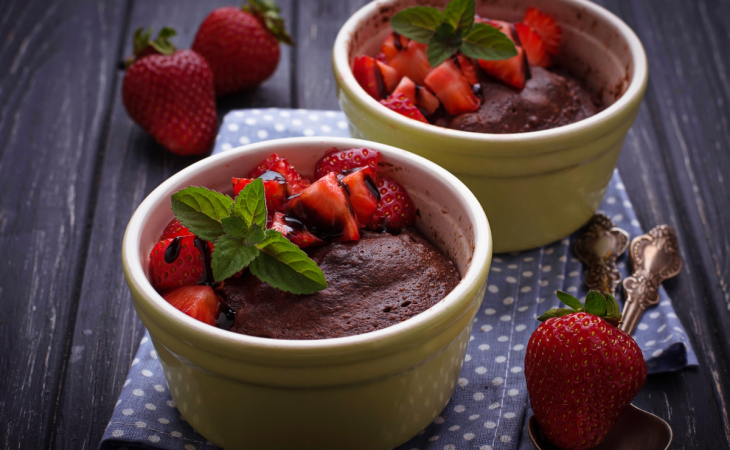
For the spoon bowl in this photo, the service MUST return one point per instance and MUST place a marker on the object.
(635, 429)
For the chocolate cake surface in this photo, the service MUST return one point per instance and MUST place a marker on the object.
(550, 99)
(373, 283)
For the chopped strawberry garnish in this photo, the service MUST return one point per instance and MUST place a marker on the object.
(452, 88)
(412, 62)
(389, 75)
(403, 106)
(275, 190)
(275, 163)
(391, 47)
(467, 68)
(294, 230)
(175, 262)
(513, 71)
(368, 75)
(339, 161)
(381, 57)
(325, 209)
(501, 25)
(364, 194)
(418, 95)
(537, 54)
(175, 229)
(546, 27)
(198, 302)
(395, 208)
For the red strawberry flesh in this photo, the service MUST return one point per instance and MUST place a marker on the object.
(198, 302)
(175, 229)
(176, 262)
(275, 163)
(546, 27)
(364, 194)
(404, 107)
(275, 189)
(295, 231)
(367, 73)
(537, 54)
(412, 62)
(325, 209)
(395, 208)
(452, 88)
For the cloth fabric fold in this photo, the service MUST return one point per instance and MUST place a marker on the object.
(489, 407)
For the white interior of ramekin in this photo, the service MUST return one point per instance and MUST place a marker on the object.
(596, 46)
(449, 215)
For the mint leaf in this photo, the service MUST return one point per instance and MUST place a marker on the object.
(569, 300)
(459, 14)
(444, 43)
(201, 211)
(285, 266)
(237, 228)
(250, 204)
(559, 312)
(488, 43)
(595, 304)
(418, 23)
(231, 255)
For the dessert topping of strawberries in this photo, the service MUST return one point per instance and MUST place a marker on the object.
(403, 106)
(324, 208)
(295, 231)
(175, 229)
(364, 194)
(418, 95)
(412, 62)
(275, 163)
(393, 44)
(452, 88)
(368, 75)
(176, 262)
(395, 208)
(275, 188)
(537, 54)
(546, 27)
(340, 161)
(198, 302)
(582, 371)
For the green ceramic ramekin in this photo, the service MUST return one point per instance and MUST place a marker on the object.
(535, 187)
(371, 391)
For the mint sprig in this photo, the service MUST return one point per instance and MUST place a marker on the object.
(604, 306)
(237, 229)
(452, 30)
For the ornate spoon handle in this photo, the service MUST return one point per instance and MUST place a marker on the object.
(598, 248)
(655, 258)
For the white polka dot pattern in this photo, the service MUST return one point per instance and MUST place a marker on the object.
(489, 405)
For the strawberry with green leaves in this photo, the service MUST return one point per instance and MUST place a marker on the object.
(582, 371)
(242, 44)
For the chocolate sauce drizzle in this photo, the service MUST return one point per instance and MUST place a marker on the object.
(206, 276)
(173, 250)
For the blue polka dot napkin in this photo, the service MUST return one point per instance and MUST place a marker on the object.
(489, 408)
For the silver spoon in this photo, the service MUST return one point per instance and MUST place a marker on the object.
(655, 258)
(598, 248)
(635, 429)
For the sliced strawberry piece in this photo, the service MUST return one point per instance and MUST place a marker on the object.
(175, 262)
(364, 194)
(381, 57)
(537, 54)
(198, 302)
(389, 75)
(405, 107)
(368, 76)
(175, 229)
(467, 68)
(339, 161)
(275, 190)
(546, 27)
(513, 71)
(390, 46)
(275, 163)
(412, 62)
(452, 88)
(501, 25)
(395, 208)
(295, 231)
(325, 209)
(418, 95)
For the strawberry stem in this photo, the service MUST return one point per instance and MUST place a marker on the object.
(596, 304)
(268, 13)
(143, 46)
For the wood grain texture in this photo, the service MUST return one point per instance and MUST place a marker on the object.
(107, 330)
(56, 61)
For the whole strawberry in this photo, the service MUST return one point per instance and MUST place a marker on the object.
(169, 93)
(242, 44)
(582, 371)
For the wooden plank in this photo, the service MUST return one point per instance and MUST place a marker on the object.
(658, 166)
(57, 61)
(317, 27)
(107, 330)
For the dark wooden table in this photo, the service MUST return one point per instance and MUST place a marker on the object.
(73, 167)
